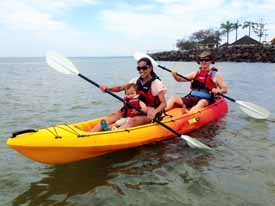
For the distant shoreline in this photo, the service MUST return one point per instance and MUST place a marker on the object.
(262, 53)
(16, 57)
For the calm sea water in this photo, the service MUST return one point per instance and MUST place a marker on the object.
(240, 172)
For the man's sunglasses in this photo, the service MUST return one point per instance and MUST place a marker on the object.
(142, 68)
(204, 59)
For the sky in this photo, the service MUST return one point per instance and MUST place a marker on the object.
(29, 28)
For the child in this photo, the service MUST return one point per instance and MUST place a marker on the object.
(132, 98)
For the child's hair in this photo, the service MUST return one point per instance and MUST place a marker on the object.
(130, 85)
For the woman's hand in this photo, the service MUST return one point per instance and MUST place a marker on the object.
(215, 91)
(174, 73)
(103, 88)
(151, 113)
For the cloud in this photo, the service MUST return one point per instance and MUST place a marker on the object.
(169, 20)
(172, 20)
(21, 16)
(68, 25)
(60, 5)
(30, 22)
(167, 1)
(36, 15)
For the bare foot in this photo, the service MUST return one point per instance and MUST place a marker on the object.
(184, 110)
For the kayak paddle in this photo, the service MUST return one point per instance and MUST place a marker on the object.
(65, 66)
(249, 108)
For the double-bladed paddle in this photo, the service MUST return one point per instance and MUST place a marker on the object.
(65, 66)
(249, 108)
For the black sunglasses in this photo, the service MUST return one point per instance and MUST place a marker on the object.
(204, 59)
(142, 68)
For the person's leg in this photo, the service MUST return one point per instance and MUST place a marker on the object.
(109, 120)
(172, 101)
(201, 103)
(135, 121)
(119, 122)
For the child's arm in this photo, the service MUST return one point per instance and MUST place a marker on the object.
(143, 106)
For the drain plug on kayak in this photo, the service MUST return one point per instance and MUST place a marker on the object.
(193, 120)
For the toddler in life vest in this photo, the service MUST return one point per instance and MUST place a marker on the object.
(131, 98)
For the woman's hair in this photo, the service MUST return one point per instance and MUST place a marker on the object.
(146, 60)
(205, 54)
(149, 63)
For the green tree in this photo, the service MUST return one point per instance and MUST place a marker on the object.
(226, 28)
(236, 26)
(250, 25)
(185, 44)
(259, 30)
(208, 36)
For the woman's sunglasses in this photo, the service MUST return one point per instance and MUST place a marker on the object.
(142, 68)
(204, 59)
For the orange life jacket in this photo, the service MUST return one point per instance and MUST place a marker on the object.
(204, 80)
(129, 111)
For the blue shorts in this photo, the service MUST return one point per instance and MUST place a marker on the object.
(189, 100)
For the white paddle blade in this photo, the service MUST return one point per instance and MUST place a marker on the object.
(60, 63)
(193, 143)
(139, 55)
(253, 110)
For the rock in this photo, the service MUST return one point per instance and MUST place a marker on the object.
(229, 53)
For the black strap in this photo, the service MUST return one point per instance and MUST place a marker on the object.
(23, 132)
(145, 87)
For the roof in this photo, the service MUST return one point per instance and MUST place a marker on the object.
(246, 40)
(225, 44)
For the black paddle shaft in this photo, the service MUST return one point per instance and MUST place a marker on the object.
(164, 68)
(120, 99)
(97, 85)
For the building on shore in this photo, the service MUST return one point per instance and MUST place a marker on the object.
(246, 41)
(209, 45)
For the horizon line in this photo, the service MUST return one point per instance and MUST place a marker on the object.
(2, 57)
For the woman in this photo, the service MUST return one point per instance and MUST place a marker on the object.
(152, 90)
(205, 83)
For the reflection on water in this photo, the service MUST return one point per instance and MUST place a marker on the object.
(64, 182)
(72, 179)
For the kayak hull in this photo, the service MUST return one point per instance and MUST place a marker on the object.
(72, 142)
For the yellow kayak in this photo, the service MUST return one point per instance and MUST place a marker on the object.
(72, 142)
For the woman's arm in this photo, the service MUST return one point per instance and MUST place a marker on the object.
(119, 88)
(222, 87)
(152, 113)
(190, 76)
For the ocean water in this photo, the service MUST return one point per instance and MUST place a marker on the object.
(240, 172)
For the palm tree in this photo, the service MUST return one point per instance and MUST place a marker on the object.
(236, 27)
(250, 25)
(259, 30)
(227, 27)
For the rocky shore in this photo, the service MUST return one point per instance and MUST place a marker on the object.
(234, 54)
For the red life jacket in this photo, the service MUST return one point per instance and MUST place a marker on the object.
(204, 80)
(129, 111)
(146, 93)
